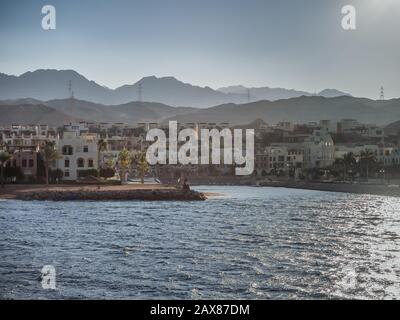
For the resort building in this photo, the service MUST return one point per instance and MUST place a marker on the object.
(278, 159)
(317, 148)
(26, 158)
(78, 153)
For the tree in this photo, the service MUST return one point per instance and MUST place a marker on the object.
(349, 162)
(124, 159)
(101, 147)
(142, 165)
(109, 170)
(110, 164)
(338, 168)
(367, 158)
(49, 155)
(4, 158)
(56, 175)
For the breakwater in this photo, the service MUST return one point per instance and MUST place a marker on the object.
(92, 195)
(100, 193)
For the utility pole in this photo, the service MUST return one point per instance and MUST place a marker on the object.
(382, 95)
(70, 94)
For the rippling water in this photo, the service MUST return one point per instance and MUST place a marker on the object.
(250, 243)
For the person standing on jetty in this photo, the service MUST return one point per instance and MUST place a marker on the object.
(186, 186)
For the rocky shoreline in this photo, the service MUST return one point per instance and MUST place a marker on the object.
(100, 193)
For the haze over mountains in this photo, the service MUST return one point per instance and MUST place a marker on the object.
(272, 94)
(59, 112)
(298, 110)
(301, 110)
(47, 85)
(42, 96)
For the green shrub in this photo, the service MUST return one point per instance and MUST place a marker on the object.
(107, 173)
(87, 172)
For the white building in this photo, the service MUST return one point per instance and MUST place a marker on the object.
(79, 152)
(317, 149)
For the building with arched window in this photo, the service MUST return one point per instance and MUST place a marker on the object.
(79, 152)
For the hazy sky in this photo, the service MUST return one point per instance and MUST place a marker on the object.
(283, 43)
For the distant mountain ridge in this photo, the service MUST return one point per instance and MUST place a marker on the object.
(272, 94)
(302, 109)
(53, 84)
(59, 112)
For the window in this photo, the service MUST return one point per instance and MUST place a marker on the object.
(85, 149)
(30, 163)
(90, 163)
(66, 174)
(66, 163)
(81, 163)
(23, 163)
(67, 150)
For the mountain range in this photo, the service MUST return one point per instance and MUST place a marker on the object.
(302, 109)
(52, 84)
(62, 111)
(272, 94)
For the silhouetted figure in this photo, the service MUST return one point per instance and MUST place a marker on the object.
(185, 187)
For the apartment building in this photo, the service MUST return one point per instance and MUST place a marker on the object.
(78, 152)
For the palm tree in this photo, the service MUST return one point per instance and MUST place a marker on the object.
(49, 155)
(339, 166)
(125, 159)
(101, 146)
(142, 165)
(368, 158)
(4, 158)
(349, 161)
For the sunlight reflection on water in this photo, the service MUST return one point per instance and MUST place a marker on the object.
(254, 243)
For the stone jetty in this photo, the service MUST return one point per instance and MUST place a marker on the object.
(103, 193)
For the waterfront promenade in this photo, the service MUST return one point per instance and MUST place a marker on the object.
(357, 188)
